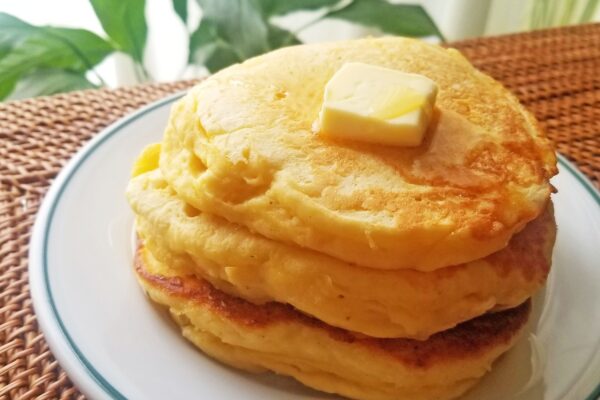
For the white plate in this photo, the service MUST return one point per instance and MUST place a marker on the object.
(114, 344)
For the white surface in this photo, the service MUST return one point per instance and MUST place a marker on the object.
(84, 230)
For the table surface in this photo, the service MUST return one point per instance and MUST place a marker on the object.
(555, 73)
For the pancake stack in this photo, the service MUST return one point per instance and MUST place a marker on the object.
(374, 272)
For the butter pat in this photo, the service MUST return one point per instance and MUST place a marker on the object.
(379, 105)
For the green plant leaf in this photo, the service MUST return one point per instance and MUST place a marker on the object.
(7, 85)
(87, 47)
(13, 30)
(279, 37)
(77, 50)
(46, 82)
(210, 50)
(181, 9)
(282, 7)
(232, 31)
(397, 19)
(125, 24)
(239, 23)
(4, 50)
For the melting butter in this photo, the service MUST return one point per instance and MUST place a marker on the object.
(378, 105)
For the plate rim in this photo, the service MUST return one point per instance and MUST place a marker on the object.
(47, 314)
(50, 322)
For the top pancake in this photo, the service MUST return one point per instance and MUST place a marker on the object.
(241, 145)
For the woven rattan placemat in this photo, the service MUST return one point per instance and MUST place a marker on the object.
(554, 73)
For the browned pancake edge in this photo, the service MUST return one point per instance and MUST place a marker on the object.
(467, 340)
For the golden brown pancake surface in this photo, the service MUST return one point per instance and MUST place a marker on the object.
(240, 145)
(276, 337)
(379, 303)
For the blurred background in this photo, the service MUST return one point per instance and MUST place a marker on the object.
(174, 46)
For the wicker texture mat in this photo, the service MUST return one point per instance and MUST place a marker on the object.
(554, 73)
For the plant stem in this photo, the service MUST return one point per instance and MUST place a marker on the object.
(340, 6)
(136, 72)
(536, 15)
(141, 74)
(567, 12)
(545, 12)
(588, 11)
(553, 13)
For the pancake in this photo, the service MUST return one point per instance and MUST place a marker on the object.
(277, 338)
(379, 303)
(240, 145)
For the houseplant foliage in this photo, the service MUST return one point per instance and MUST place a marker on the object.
(547, 13)
(43, 60)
